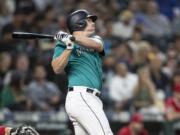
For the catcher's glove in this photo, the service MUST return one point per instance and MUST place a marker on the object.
(24, 130)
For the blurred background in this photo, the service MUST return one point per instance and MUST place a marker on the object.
(141, 69)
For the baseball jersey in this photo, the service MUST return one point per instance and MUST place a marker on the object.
(84, 66)
(128, 131)
(2, 130)
(172, 104)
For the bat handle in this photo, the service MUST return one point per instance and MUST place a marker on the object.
(72, 38)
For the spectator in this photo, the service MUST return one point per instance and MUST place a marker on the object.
(171, 62)
(172, 103)
(155, 23)
(144, 93)
(176, 23)
(123, 28)
(13, 95)
(122, 52)
(141, 57)
(108, 69)
(176, 46)
(173, 109)
(6, 9)
(50, 23)
(44, 95)
(5, 65)
(30, 13)
(108, 73)
(122, 86)
(23, 20)
(17, 24)
(137, 39)
(134, 6)
(172, 106)
(135, 127)
(158, 77)
(21, 65)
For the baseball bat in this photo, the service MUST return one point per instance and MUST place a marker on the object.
(28, 35)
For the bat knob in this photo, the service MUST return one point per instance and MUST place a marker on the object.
(72, 38)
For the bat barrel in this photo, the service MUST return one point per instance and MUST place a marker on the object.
(27, 35)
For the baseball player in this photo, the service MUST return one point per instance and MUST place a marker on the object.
(22, 130)
(82, 62)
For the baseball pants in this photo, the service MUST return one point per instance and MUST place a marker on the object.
(85, 110)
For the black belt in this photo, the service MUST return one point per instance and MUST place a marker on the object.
(87, 90)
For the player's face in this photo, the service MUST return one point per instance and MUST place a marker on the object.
(138, 126)
(40, 73)
(90, 28)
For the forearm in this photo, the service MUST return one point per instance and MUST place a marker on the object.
(173, 115)
(59, 63)
(89, 43)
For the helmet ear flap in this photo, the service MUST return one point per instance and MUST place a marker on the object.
(82, 24)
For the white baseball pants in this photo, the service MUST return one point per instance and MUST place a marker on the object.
(85, 110)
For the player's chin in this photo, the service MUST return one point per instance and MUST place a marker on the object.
(91, 32)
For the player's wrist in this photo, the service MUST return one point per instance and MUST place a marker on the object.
(69, 46)
(69, 43)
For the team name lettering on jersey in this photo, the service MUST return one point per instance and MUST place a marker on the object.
(81, 50)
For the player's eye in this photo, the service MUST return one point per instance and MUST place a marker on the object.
(89, 20)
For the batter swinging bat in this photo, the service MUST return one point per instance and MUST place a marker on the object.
(27, 35)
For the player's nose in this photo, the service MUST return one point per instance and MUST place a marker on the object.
(93, 24)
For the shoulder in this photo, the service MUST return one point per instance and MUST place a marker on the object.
(124, 131)
(32, 85)
(51, 84)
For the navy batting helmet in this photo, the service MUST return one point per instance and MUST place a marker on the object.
(76, 21)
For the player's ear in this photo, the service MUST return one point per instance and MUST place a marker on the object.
(82, 24)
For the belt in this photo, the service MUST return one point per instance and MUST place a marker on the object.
(88, 90)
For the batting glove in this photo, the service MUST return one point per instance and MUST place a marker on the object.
(24, 130)
(66, 38)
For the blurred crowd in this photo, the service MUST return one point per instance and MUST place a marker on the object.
(141, 69)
